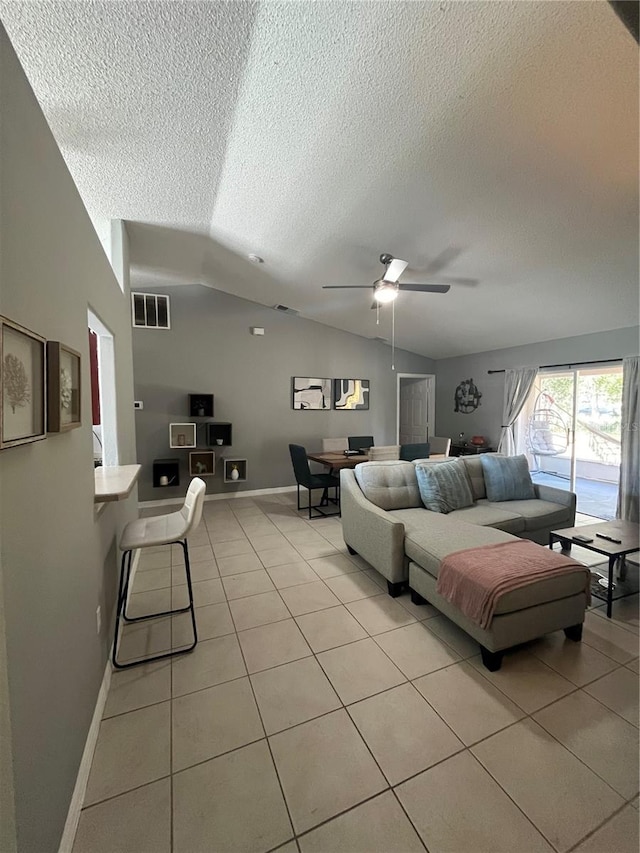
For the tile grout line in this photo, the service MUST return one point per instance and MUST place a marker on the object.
(266, 738)
(617, 666)
(350, 718)
(528, 716)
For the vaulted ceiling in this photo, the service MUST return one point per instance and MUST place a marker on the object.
(492, 141)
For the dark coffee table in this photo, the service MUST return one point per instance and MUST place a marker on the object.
(625, 532)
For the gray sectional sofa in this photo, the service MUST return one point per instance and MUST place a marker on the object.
(384, 521)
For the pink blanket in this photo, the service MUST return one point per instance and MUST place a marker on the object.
(476, 578)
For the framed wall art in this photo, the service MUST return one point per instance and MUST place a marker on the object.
(22, 385)
(311, 393)
(63, 388)
(351, 394)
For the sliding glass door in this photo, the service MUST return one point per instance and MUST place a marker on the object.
(570, 429)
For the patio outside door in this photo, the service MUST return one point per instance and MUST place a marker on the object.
(570, 429)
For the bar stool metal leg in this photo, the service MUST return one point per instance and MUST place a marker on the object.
(121, 606)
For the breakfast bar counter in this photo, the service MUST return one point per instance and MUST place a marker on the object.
(115, 482)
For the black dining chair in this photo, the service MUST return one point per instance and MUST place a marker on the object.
(360, 441)
(409, 452)
(310, 481)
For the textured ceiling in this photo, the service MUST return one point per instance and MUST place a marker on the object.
(500, 137)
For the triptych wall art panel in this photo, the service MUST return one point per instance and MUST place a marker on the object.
(347, 394)
(351, 394)
(311, 393)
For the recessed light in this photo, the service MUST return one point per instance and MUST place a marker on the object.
(256, 259)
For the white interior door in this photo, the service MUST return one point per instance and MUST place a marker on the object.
(415, 408)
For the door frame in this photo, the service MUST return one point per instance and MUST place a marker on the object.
(431, 399)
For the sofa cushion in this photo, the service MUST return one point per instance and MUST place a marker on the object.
(473, 467)
(389, 485)
(500, 516)
(444, 488)
(428, 544)
(507, 478)
(519, 600)
(536, 513)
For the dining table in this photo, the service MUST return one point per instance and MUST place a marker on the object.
(335, 459)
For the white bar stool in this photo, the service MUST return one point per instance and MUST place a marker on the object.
(169, 529)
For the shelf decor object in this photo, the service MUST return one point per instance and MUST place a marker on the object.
(311, 393)
(182, 435)
(219, 434)
(22, 385)
(166, 472)
(235, 470)
(202, 463)
(200, 405)
(350, 394)
(63, 388)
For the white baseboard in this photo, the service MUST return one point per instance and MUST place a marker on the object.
(77, 799)
(80, 789)
(252, 493)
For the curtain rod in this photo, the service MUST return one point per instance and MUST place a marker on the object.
(573, 364)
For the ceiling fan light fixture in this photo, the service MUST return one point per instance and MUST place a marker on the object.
(385, 292)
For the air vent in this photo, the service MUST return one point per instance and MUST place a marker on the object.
(285, 309)
(150, 311)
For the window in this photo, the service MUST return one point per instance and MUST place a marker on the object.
(150, 311)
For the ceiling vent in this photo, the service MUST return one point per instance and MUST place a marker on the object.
(150, 311)
(286, 310)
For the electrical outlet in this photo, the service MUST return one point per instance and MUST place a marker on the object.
(138, 404)
(98, 619)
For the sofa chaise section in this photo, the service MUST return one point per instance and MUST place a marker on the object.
(385, 522)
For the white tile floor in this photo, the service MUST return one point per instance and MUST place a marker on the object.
(317, 714)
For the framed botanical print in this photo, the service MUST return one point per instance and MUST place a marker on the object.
(22, 385)
(63, 388)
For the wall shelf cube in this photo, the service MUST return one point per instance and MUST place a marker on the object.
(166, 472)
(239, 465)
(200, 405)
(182, 435)
(219, 434)
(202, 463)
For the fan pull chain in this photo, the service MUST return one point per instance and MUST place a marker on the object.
(393, 335)
(377, 313)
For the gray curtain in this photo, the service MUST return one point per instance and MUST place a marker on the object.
(630, 449)
(517, 387)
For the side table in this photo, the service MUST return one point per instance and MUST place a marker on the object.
(469, 449)
(625, 534)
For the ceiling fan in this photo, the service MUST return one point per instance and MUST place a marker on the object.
(386, 289)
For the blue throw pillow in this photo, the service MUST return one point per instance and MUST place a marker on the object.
(507, 478)
(444, 487)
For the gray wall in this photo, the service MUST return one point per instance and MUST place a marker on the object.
(209, 348)
(487, 418)
(57, 557)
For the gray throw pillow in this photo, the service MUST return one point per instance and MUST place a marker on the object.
(507, 478)
(444, 487)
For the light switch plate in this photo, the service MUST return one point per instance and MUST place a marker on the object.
(138, 404)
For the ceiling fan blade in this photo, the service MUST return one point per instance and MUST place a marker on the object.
(447, 256)
(394, 270)
(426, 288)
(346, 287)
(468, 282)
